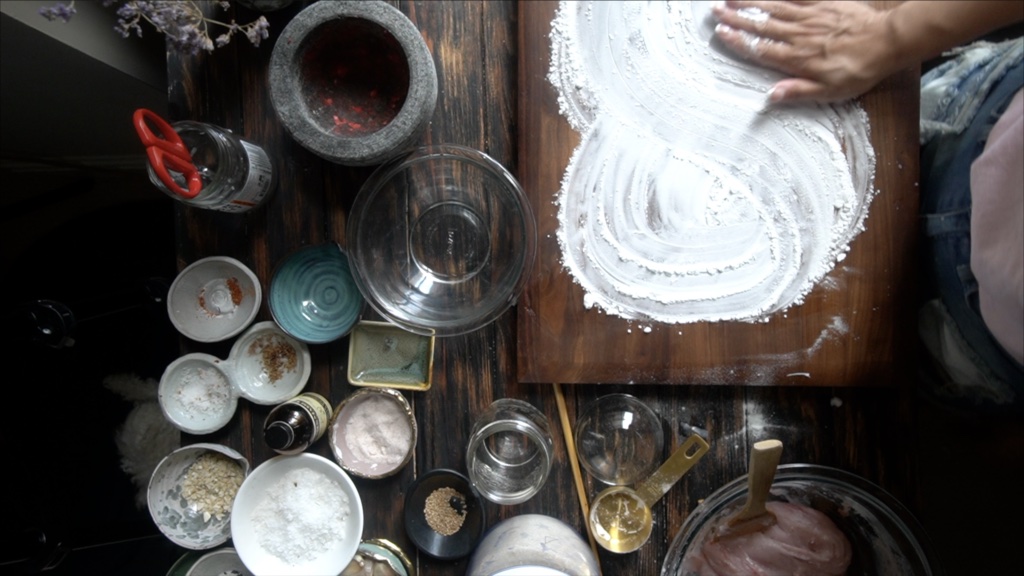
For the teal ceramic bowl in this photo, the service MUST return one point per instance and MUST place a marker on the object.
(313, 297)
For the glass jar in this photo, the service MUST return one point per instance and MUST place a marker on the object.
(510, 451)
(237, 175)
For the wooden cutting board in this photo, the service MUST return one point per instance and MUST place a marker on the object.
(856, 328)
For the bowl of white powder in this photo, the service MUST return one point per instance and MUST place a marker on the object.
(297, 515)
(191, 492)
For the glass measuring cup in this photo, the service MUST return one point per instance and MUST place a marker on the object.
(620, 517)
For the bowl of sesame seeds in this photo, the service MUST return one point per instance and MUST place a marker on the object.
(191, 493)
(443, 514)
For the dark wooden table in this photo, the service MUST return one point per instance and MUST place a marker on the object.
(476, 48)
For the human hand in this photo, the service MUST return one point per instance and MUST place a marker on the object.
(832, 50)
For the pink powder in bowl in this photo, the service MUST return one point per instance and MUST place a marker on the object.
(373, 433)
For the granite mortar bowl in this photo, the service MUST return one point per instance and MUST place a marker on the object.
(353, 82)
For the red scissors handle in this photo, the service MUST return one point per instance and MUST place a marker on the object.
(165, 149)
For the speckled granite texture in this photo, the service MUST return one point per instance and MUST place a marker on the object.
(315, 29)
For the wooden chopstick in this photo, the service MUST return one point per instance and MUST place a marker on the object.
(570, 447)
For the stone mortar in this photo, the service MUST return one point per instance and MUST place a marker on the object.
(313, 26)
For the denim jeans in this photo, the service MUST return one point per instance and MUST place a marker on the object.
(946, 223)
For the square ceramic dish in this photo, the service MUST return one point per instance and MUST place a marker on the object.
(382, 354)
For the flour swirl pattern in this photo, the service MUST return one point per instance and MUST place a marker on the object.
(687, 199)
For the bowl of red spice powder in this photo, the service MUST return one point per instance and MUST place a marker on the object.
(353, 82)
(214, 299)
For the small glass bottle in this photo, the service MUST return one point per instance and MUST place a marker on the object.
(237, 175)
(293, 426)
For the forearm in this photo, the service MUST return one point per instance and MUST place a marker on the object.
(921, 30)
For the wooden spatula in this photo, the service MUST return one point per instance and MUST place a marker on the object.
(764, 459)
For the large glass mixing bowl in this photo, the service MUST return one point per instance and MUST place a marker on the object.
(884, 535)
(442, 240)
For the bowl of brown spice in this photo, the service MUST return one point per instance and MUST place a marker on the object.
(443, 514)
(213, 299)
(191, 493)
(269, 365)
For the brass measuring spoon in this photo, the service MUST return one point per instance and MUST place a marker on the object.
(620, 517)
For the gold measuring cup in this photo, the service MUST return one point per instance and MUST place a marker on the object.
(620, 517)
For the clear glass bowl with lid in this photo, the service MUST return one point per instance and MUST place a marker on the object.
(442, 240)
(884, 536)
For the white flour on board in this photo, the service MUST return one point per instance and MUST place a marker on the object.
(687, 199)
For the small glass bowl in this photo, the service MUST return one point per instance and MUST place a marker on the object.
(884, 535)
(313, 296)
(619, 439)
(442, 240)
(385, 421)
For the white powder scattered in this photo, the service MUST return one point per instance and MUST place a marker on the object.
(301, 516)
(687, 200)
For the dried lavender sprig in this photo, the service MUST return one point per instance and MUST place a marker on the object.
(58, 12)
(182, 22)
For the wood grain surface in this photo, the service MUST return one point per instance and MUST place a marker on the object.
(851, 330)
(476, 47)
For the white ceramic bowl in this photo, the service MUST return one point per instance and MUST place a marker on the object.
(281, 530)
(268, 366)
(196, 393)
(214, 299)
(183, 522)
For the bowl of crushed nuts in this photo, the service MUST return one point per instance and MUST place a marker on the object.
(191, 493)
(269, 365)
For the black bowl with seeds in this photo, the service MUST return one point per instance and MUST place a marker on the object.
(444, 516)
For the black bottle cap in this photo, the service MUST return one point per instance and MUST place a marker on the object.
(279, 435)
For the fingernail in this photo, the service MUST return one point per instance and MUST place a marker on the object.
(723, 29)
(776, 94)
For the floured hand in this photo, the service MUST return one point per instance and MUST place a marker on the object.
(833, 50)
